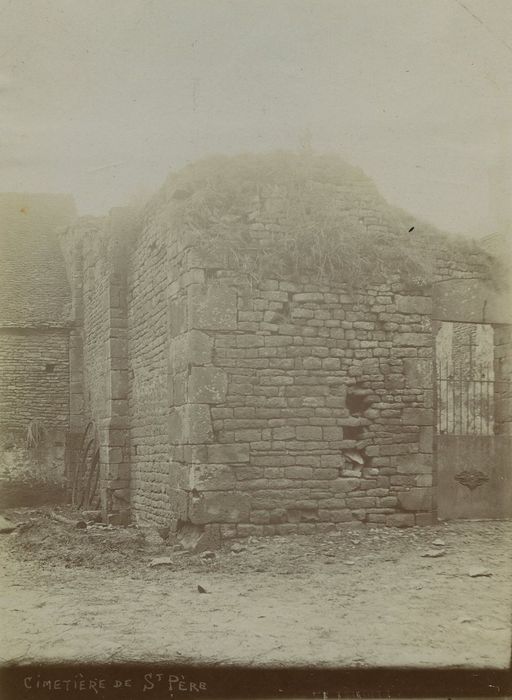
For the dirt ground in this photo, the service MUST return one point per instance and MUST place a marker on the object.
(360, 597)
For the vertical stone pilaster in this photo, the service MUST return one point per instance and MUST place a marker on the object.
(114, 434)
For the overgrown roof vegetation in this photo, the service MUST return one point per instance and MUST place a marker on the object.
(326, 219)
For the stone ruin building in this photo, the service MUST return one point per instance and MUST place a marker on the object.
(238, 382)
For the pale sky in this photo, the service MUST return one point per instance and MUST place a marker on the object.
(101, 98)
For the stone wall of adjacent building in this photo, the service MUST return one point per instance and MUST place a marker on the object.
(34, 378)
(34, 344)
(34, 399)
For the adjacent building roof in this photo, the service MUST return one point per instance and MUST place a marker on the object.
(499, 245)
(34, 289)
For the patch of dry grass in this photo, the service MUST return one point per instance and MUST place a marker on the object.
(319, 212)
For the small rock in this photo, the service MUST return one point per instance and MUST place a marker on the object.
(92, 515)
(350, 563)
(200, 589)
(462, 620)
(439, 543)
(236, 547)
(434, 553)
(479, 571)
(163, 532)
(208, 555)
(6, 526)
(160, 561)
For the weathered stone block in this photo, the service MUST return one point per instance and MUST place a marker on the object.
(192, 348)
(212, 307)
(415, 340)
(308, 432)
(418, 416)
(361, 502)
(116, 347)
(180, 476)
(335, 460)
(298, 472)
(345, 484)
(177, 316)
(207, 385)
(332, 434)
(114, 437)
(418, 372)
(226, 453)
(308, 297)
(76, 404)
(416, 463)
(219, 507)
(423, 480)
(212, 477)
(118, 407)
(413, 304)
(335, 516)
(400, 520)
(416, 499)
(190, 424)
(312, 363)
(178, 389)
(178, 503)
(117, 383)
(284, 433)
(331, 363)
(388, 502)
(426, 443)
(250, 473)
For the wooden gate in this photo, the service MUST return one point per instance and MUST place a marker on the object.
(474, 475)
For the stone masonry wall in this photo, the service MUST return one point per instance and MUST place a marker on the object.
(243, 405)
(148, 390)
(291, 381)
(33, 387)
(299, 405)
(99, 391)
(34, 379)
(96, 331)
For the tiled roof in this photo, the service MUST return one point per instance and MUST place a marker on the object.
(34, 289)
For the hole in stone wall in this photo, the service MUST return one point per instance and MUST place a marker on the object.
(356, 402)
(352, 432)
(49, 367)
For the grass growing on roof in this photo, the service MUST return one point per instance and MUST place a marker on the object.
(316, 208)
